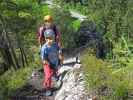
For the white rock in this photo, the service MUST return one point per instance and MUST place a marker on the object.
(69, 97)
(64, 68)
(73, 88)
(77, 15)
(77, 66)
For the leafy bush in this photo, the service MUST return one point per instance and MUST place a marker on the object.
(67, 26)
(105, 81)
(96, 71)
(12, 80)
(76, 25)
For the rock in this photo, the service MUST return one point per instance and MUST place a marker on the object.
(77, 66)
(77, 15)
(73, 87)
(64, 68)
(36, 80)
(88, 35)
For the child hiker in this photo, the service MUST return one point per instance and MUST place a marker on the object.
(51, 56)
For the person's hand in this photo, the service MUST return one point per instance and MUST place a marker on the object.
(45, 62)
(61, 59)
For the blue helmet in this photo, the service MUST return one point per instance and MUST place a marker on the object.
(49, 33)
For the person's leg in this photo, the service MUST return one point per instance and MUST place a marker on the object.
(55, 74)
(48, 75)
(47, 81)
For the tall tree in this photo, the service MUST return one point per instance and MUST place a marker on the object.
(15, 21)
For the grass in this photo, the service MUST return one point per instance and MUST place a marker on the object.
(12, 80)
(104, 80)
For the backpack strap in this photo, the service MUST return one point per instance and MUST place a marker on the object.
(40, 31)
(55, 30)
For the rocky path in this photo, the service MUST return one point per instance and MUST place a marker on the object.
(71, 86)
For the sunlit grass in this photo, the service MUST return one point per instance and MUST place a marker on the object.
(99, 75)
(12, 80)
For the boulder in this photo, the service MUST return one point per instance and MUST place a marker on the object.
(73, 87)
(88, 35)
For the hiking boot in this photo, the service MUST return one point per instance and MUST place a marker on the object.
(55, 78)
(48, 93)
(59, 82)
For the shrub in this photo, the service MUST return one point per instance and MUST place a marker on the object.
(12, 80)
(103, 80)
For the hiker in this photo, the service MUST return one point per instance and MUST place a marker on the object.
(48, 24)
(51, 56)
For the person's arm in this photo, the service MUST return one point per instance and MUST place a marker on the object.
(44, 56)
(45, 62)
(40, 41)
(58, 37)
(61, 57)
(40, 36)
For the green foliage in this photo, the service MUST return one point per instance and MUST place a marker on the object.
(12, 80)
(105, 81)
(76, 25)
(96, 71)
(20, 18)
(67, 26)
(110, 16)
(113, 19)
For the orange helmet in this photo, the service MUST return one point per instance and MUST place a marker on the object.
(48, 18)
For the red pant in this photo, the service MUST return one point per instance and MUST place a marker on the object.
(48, 72)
